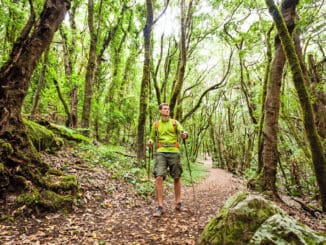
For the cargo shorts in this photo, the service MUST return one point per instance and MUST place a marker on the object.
(166, 161)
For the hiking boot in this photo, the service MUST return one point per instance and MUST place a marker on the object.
(179, 207)
(158, 212)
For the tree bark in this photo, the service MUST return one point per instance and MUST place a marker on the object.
(185, 21)
(319, 105)
(68, 52)
(141, 148)
(272, 107)
(263, 98)
(91, 68)
(40, 84)
(316, 148)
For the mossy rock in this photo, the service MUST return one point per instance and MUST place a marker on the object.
(251, 219)
(2, 167)
(238, 220)
(30, 199)
(4, 179)
(68, 133)
(5, 148)
(62, 183)
(47, 200)
(282, 229)
(42, 138)
(52, 201)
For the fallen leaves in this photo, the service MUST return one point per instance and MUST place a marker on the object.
(110, 212)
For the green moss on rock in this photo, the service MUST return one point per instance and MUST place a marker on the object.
(282, 229)
(250, 219)
(5, 148)
(47, 199)
(30, 199)
(69, 182)
(238, 220)
(62, 183)
(53, 201)
(42, 138)
(68, 133)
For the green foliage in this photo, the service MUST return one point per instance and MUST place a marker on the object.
(117, 79)
(198, 172)
(126, 168)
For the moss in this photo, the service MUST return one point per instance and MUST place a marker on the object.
(238, 220)
(62, 183)
(53, 201)
(68, 133)
(2, 167)
(48, 200)
(42, 138)
(256, 183)
(5, 148)
(30, 199)
(69, 182)
(282, 229)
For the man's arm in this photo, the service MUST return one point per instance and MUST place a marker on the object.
(183, 133)
(151, 136)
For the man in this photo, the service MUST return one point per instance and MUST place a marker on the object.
(165, 134)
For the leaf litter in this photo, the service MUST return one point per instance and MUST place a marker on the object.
(109, 211)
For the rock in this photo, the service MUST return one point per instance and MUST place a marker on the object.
(247, 219)
(282, 229)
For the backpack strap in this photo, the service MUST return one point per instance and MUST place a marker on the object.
(174, 123)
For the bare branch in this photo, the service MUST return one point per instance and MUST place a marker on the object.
(214, 87)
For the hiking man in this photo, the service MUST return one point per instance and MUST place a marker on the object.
(165, 134)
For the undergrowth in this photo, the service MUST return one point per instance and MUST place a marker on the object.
(123, 166)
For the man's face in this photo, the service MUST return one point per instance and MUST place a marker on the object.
(165, 111)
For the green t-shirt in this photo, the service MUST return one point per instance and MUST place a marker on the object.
(167, 136)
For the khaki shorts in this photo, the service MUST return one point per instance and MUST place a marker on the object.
(168, 161)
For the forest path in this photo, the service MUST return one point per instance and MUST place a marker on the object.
(112, 214)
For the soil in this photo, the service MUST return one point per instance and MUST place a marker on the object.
(110, 211)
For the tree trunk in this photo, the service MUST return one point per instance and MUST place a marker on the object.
(64, 103)
(141, 148)
(40, 84)
(183, 57)
(272, 105)
(91, 68)
(68, 52)
(260, 143)
(319, 105)
(316, 148)
(21, 167)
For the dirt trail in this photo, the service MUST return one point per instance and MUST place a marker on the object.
(123, 218)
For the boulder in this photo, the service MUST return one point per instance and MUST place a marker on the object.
(251, 219)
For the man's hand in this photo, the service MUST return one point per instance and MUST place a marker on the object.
(150, 144)
(184, 135)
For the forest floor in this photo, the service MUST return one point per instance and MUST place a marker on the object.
(111, 212)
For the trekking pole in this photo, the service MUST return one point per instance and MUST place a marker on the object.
(188, 162)
(149, 162)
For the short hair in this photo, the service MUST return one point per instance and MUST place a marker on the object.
(163, 104)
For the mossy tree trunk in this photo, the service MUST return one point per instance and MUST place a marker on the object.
(319, 105)
(267, 177)
(91, 68)
(263, 98)
(21, 165)
(186, 19)
(316, 148)
(143, 104)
